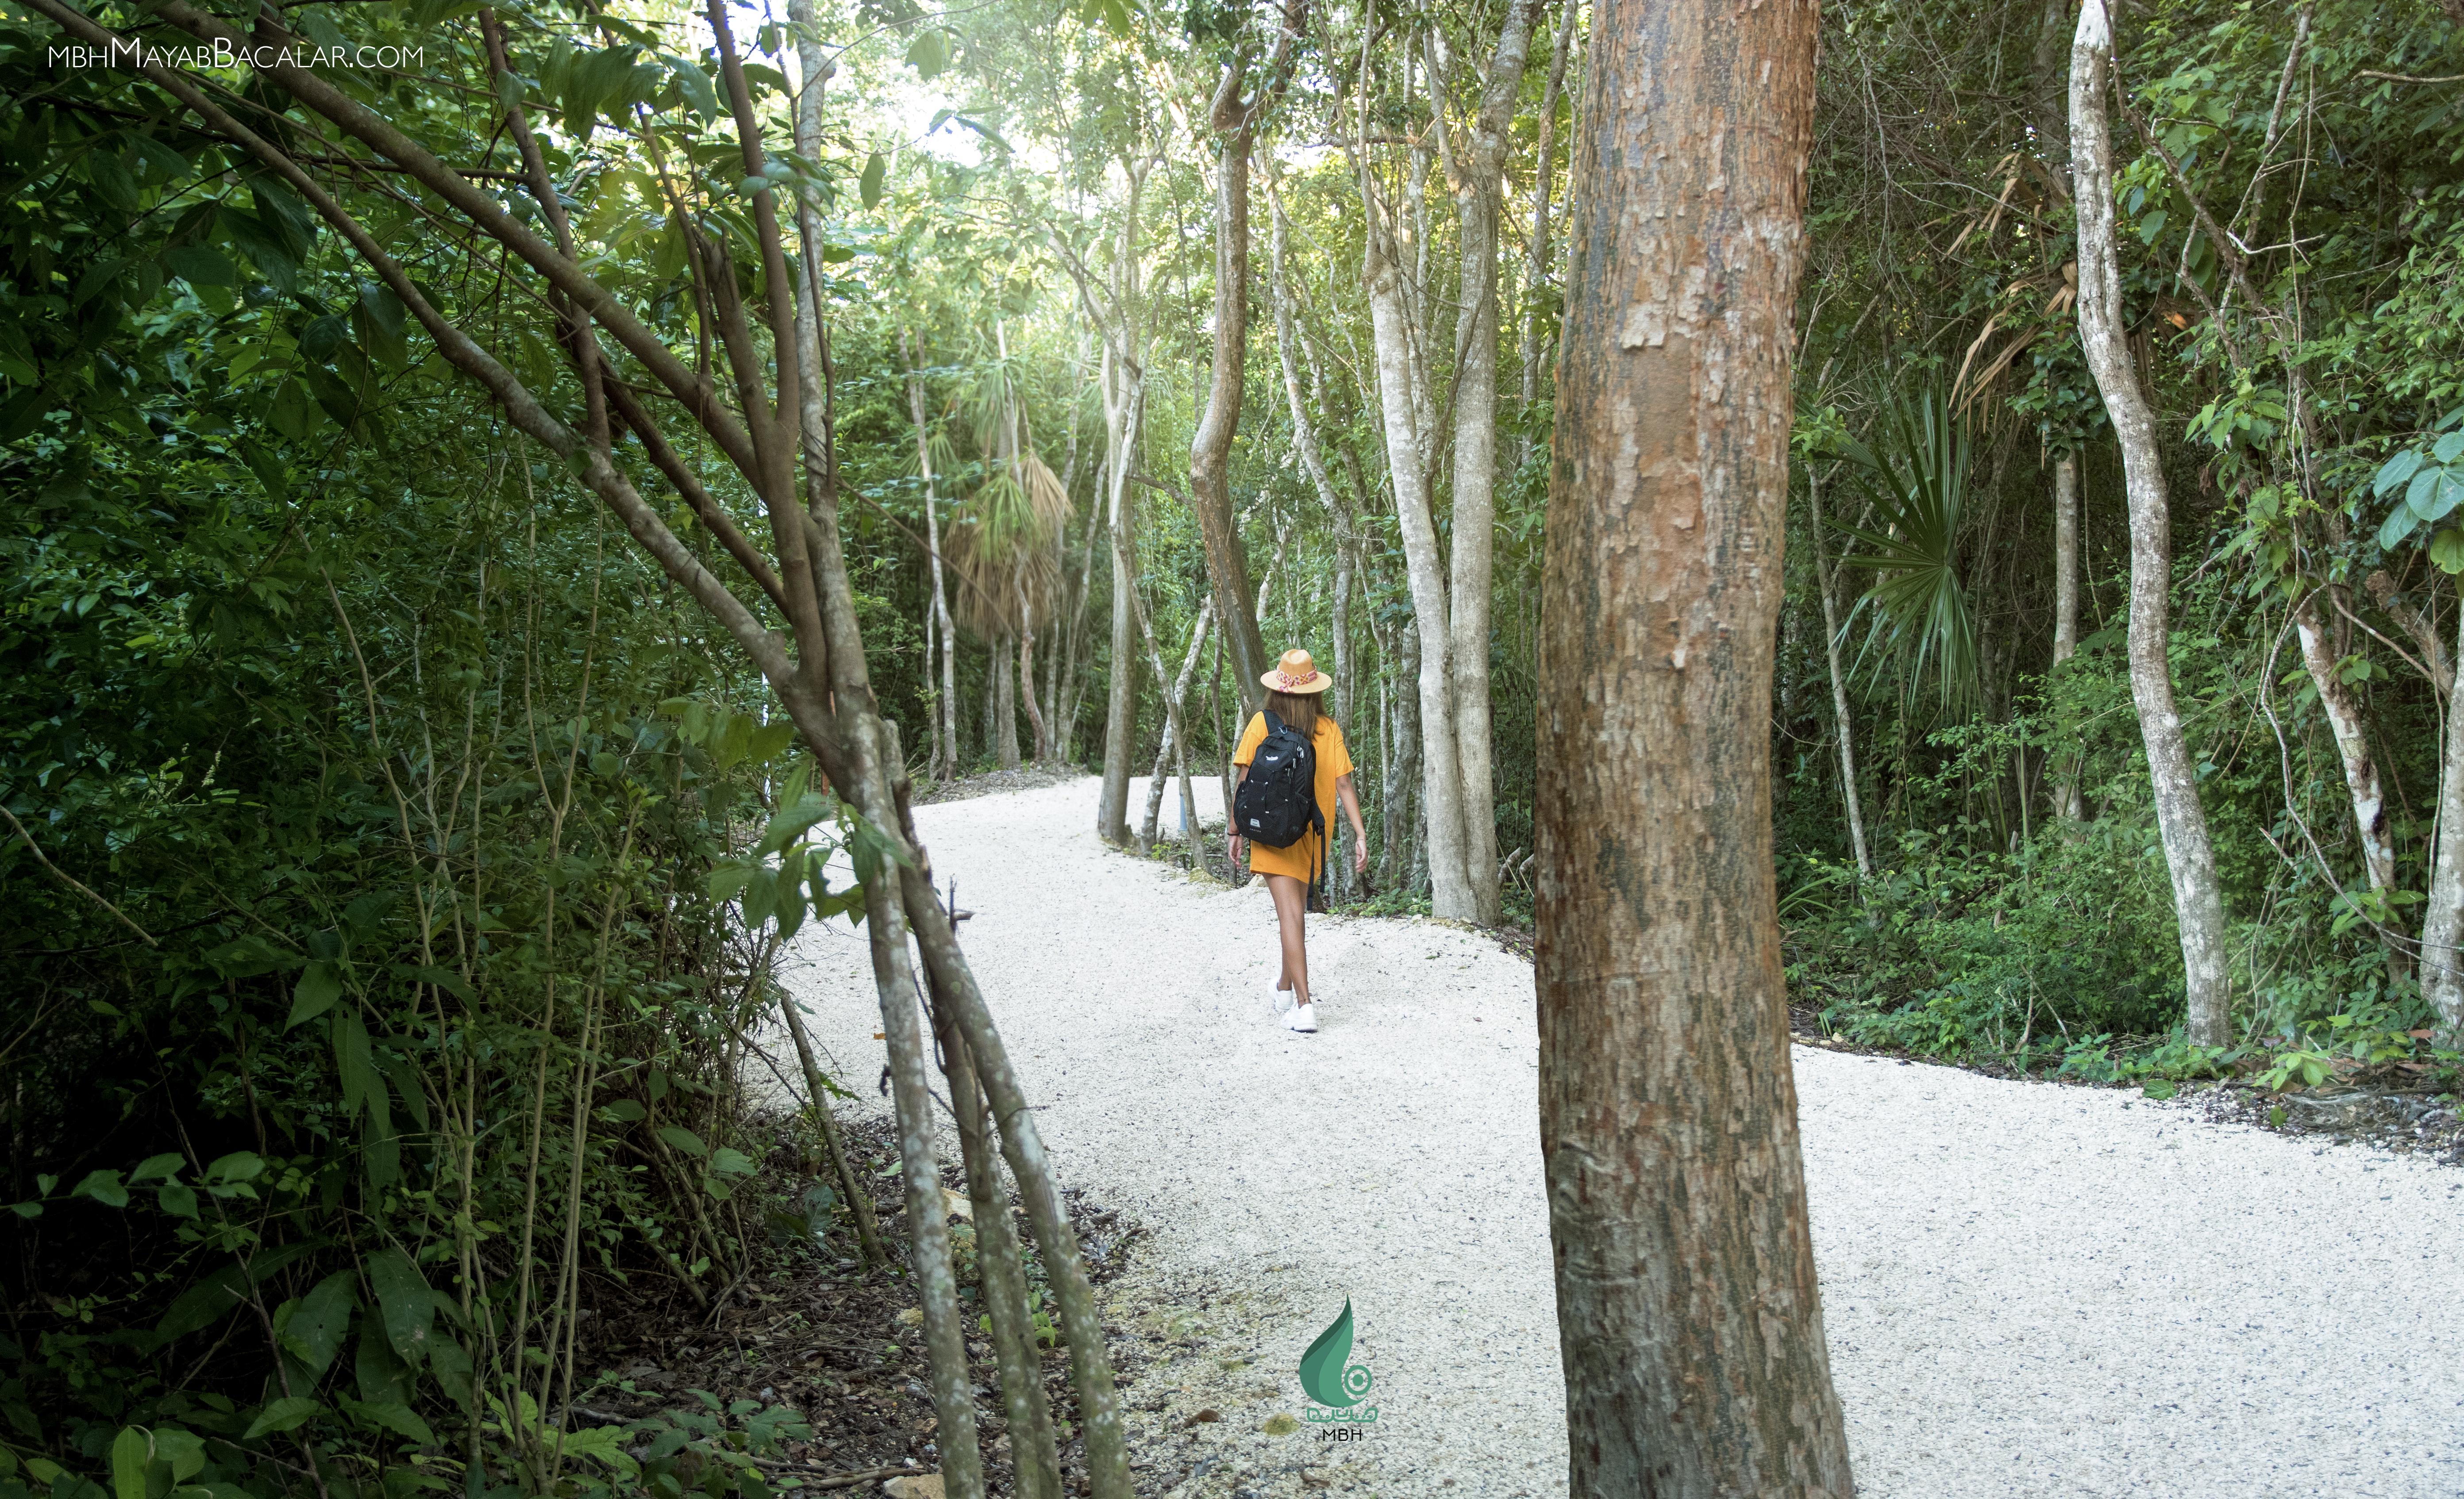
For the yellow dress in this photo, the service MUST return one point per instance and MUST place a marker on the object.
(1303, 859)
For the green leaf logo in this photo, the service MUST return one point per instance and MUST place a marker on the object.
(1323, 1373)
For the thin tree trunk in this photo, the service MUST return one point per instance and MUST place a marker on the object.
(1004, 696)
(1002, 1277)
(2360, 774)
(1233, 119)
(2442, 927)
(1399, 375)
(1536, 273)
(1840, 717)
(868, 1231)
(945, 716)
(1401, 821)
(1040, 730)
(1176, 708)
(1688, 1312)
(1480, 200)
(1123, 377)
(2198, 903)
(2066, 597)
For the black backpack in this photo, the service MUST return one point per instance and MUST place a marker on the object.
(1277, 802)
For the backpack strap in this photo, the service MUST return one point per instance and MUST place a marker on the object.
(1275, 724)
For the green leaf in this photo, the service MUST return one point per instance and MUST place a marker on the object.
(684, 1140)
(176, 1199)
(104, 1187)
(727, 879)
(694, 85)
(132, 1451)
(2398, 525)
(395, 1417)
(240, 1165)
(728, 1162)
(403, 1300)
(928, 53)
(357, 1062)
(628, 1110)
(876, 168)
(2447, 550)
(766, 741)
(154, 1166)
(313, 1336)
(184, 1450)
(321, 985)
(2448, 447)
(606, 1444)
(199, 265)
(287, 1414)
(202, 1305)
(2159, 1088)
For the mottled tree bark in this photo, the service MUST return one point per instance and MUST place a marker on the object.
(1688, 1314)
(2066, 595)
(2442, 926)
(945, 715)
(2198, 903)
(2321, 659)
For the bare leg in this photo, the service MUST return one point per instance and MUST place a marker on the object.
(1291, 909)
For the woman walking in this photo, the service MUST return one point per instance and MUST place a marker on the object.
(1292, 692)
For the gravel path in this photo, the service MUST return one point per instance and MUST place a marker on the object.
(2030, 1289)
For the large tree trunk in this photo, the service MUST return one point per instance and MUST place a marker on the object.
(2319, 656)
(1688, 1308)
(2066, 596)
(1480, 200)
(1846, 724)
(2198, 904)
(1400, 377)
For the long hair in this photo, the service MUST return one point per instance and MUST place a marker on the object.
(1299, 709)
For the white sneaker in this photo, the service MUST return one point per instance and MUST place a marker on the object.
(1303, 1019)
(1279, 1000)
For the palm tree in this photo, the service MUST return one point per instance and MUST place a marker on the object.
(1924, 623)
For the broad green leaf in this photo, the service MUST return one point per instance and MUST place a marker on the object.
(876, 168)
(928, 53)
(315, 1333)
(321, 985)
(355, 1061)
(132, 1452)
(2448, 447)
(2395, 471)
(2447, 550)
(395, 1417)
(729, 1161)
(727, 879)
(104, 1187)
(628, 1110)
(2398, 525)
(240, 1165)
(684, 1140)
(768, 740)
(288, 1414)
(176, 1199)
(403, 1300)
(184, 1450)
(606, 1444)
(154, 1166)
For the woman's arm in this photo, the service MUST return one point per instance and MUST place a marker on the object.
(1231, 831)
(1349, 801)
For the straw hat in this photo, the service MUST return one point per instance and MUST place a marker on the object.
(1296, 672)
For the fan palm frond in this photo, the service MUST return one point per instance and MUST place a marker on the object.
(1918, 482)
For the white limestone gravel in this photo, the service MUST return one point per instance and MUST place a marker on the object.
(2030, 1288)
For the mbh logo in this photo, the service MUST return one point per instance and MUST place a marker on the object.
(1339, 1388)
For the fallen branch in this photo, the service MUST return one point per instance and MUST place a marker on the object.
(71, 880)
